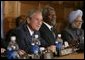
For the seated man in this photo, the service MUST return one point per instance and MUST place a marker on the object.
(3, 46)
(25, 31)
(73, 33)
(46, 30)
(3, 49)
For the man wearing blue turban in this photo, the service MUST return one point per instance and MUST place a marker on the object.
(73, 33)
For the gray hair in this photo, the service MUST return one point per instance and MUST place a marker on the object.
(31, 13)
(46, 10)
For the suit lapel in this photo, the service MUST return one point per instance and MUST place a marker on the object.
(51, 37)
(48, 30)
(28, 36)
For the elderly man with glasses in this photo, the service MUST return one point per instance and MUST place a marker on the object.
(73, 33)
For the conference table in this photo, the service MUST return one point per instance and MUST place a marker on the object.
(71, 56)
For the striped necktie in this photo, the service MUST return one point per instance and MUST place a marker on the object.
(52, 30)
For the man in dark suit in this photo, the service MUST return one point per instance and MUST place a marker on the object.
(25, 31)
(3, 46)
(73, 33)
(46, 29)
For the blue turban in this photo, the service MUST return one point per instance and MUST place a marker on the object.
(74, 14)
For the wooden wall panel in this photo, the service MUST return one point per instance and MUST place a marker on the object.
(11, 11)
(25, 8)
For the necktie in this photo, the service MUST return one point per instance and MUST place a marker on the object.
(52, 30)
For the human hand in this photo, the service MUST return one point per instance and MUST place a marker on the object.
(3, 50)
(52, 48)
(21, 52)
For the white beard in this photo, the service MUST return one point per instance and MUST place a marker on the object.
(75, 26)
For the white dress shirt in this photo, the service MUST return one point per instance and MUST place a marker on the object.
(30, 31)
(49, 26)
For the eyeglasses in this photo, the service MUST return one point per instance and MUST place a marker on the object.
(80, 21)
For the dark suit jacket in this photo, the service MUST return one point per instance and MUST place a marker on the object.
(3, 43)
(74, 36)
(47, 35)
(7, 37)
(24, 38)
